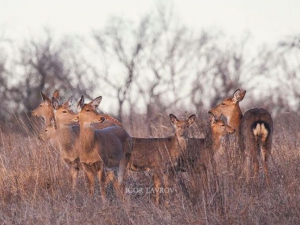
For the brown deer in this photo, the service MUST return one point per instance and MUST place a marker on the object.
(255, 131)
(45, 109)
(101, 150)
(160, 155)
(65, 134)
(200, 150)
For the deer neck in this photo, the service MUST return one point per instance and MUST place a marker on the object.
(65, 137)
(235, 120)
(87, 137)
(48, 120)
(216, 142)
(178, 146)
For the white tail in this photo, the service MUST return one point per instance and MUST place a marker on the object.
(255, 130)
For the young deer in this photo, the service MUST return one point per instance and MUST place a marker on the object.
(255, 130)
(45, 109)
(161, 154)
(200, 150)
(101, 149)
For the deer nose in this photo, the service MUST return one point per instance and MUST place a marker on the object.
(76, 119)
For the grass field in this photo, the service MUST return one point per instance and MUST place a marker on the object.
(35, 185)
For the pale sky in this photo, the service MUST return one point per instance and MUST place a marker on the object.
(268, 21)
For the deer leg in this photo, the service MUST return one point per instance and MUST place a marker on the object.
(74, 170)
(166, 189)
(110, 177)
(157, 184)
(102, 182)
(122, 173)
(90, 181)
(248, 169)
(265, 156)
(74, 174)
(256, 168)
(204, 178)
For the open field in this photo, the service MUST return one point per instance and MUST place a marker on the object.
(35, 186)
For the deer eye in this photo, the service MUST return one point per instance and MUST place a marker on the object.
(64, 111)
(223, 103)
(41, 105)
(87, 110)
(46, 130)
(223, 125)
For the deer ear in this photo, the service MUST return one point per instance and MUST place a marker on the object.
(212, 118)
(191, 119)
(55, 103)
(56, 94)
(173, 119)
(238, 95)
(45, 98)
(53, 124)
(96, 102)
(70, 102)
(80, 103)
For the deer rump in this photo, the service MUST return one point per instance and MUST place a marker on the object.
(256, 130)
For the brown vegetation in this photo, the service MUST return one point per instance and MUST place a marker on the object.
(35, 187)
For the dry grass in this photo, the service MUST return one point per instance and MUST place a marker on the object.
(35, 186)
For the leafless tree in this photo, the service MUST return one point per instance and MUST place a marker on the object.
(220, 71)
(121, 45)
(47, 64)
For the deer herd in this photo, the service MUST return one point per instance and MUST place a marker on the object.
(99, 145)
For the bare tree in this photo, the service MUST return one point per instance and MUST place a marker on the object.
(168, 62)
(47, 64)
(220, 71)
(122, 45)
(41, 68)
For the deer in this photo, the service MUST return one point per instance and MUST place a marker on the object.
(45, 109)
(200, 150)
(160, 155)
(61, 126)
(65, 133)
(203, 152)
(254, 131)
(102, 151)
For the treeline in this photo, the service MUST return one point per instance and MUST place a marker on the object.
(153, 66)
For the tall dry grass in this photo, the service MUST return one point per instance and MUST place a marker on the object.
(35, 186)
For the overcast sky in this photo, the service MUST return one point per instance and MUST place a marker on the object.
(268, 21)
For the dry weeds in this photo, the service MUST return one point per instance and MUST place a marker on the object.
(35, 186)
